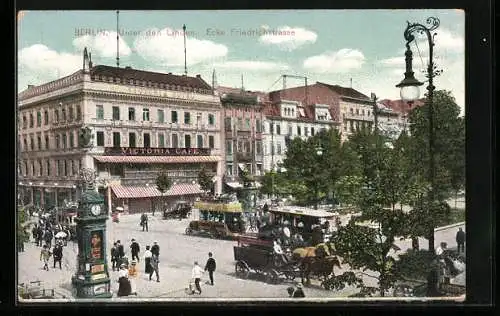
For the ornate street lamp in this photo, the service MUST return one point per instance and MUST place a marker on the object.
(319, 153)
(410, 91)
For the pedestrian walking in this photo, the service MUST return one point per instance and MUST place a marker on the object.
(144, 221)
(58, 254)
(48, 237)
(155, 268)
(123, 281)
(210, 267)
(45, 256)
(39, 237)
(134, 249)
(196, 274)
(133, 273)
(147, 260)
(460, 238)
(34, 231)
(155, 250)
(114, 257)
(121, 251)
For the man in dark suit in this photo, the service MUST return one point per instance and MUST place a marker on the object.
(210, 267)
(460, 240)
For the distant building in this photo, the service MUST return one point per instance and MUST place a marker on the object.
(402, 108)
(136, 123)
(243, 119)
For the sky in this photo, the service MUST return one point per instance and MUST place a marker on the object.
(362, 49)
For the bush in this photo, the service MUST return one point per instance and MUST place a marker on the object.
(414, 264)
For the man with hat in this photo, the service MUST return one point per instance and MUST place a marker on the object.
(299, 292)
(134, 249)
(155, 250)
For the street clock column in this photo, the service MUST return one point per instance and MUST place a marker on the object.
(92, 277)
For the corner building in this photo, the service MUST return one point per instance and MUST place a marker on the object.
(140, 122)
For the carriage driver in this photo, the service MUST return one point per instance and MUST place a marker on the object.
(278, 251)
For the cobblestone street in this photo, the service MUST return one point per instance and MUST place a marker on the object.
(177, 255)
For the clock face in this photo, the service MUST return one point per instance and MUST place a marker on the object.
(95, 210)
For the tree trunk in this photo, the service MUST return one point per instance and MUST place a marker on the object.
(431, 240)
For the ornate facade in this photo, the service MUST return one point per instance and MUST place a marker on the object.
(122, 108)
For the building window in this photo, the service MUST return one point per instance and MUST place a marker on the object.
(271, 148)
(71, 140)
(240, 123)
(49, 171)
(116, 113)
(174, 117)
(357, 111)
(306, 131)
(161, 140)
(31, 120)
(146, 140)
(211, 119)
(116, 139)
(131, 114)
(278, 129)
(76, 167)
(47, 145)
(38, 119)
(57, 141)
(32, 141)
(131, 140)
(99, 112)
(278, 148)
(78, 113)
(63, 114)
(161, 116)
(363, 112)
(70, 167)
(187, 141)
(229, 170)
(56, 115)
(25, 123)
(247, 123)
(199, 141)
(39, 142)
(312, 131)
(258, 147)
(187, 118)
(299, 130)
(64, 141)
(228, 125)
(229, 147)
(45, 117)
(175, 141)
(100, 138)
(70, 112)
(211, 142)
(258, 126)
(145, 114)
(25, 143)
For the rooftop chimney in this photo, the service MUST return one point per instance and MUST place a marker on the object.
(198, 76)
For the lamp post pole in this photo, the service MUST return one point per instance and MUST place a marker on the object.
(410, 92)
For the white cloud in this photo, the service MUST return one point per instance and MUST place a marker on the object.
(38, 64)
(166, 47)
(251, 65)
(340, 61)
(288, 38)
(103, 44)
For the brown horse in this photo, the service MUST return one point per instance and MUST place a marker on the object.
(319, 261)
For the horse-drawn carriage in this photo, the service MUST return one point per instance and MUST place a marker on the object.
(181, 210)
(257, 255)
(218, 219)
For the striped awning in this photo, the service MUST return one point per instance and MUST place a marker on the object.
(133, 192)
(157, 159)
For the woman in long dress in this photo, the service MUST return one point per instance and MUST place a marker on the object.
(147, 260)
(132, 276)
(123, 281)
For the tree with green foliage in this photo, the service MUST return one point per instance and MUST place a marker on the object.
(22, 235)
(365, 243)
(205, 180)
(449, 157)
(163, 184)
(317, 172)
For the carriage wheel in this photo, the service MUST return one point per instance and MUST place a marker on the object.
(272, 276)
(242, 270)
(289, 275)
(189, 231)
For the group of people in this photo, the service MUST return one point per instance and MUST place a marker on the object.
(127, 274)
